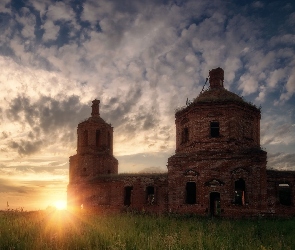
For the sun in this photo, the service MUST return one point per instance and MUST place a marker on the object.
(60, 205)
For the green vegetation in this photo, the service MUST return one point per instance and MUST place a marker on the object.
(63, 230)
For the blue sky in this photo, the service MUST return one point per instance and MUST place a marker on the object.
(142, 59)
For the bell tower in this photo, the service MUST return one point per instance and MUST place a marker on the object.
(94, 149)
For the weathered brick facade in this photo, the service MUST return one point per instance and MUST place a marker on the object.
(218, 167)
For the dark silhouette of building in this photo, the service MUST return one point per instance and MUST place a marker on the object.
(218, 168)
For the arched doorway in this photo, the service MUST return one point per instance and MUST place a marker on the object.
(215, 204)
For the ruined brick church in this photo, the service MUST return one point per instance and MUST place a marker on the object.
(218, 168)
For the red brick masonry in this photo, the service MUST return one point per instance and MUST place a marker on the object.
(218, 168)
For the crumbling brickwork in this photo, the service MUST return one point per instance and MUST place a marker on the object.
(218, 168)
(280, 190)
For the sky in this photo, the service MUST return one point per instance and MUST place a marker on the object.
(142, 60)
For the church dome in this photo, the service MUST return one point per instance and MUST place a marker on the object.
(218, 95)
(216, 92)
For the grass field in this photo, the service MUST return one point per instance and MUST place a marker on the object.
(62, 230)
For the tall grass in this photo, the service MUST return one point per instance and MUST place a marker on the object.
(63, 230)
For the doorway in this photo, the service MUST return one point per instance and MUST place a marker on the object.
(215, 204)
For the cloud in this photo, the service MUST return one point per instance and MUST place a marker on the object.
(50, 31)
(249, 84)
(43, 117)
(275, 77)
(144, 162)
(4, 7)
(60, 11)
(291, 19)
(94, 11)
(140, 45)
(25, 147)
(33, 182)
(257, 4)
(277, 129)
(8, 186)
(30, 195)
(281, 161)
(46, 113)
(59, 23)
(290, 86)
(28, 21)
(282, 40)
(289, 90)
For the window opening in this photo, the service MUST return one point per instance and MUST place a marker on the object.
(85, 138)
(127, 195)
(190, 192)
(185, 135)
(150, 193)
(214, 129)
(285, 194)
(240, 188)
(97, 139)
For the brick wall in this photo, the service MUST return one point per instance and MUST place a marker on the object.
(108, 193)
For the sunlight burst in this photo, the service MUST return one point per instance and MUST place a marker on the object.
(60, 205)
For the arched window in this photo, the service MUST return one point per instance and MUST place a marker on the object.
(240, 188)
(190, 192)
(97, 138)
(184, 135)
(85, 138)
